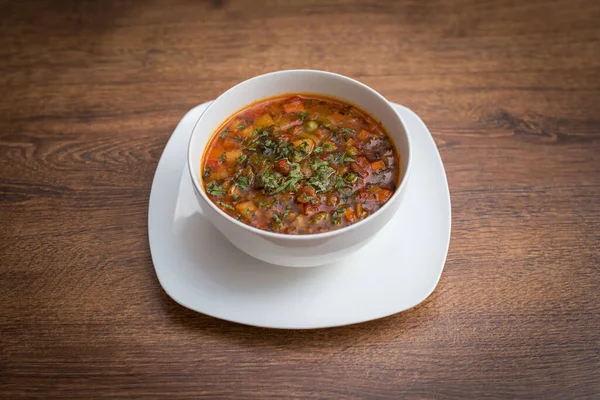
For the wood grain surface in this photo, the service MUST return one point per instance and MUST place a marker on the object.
(91, 92)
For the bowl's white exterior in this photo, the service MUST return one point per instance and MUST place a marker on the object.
(298, 250)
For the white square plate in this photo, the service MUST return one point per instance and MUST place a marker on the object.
(198, 267)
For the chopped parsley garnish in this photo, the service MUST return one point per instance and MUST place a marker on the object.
(321, 179)
(240, 126)
(214, 189)
(270, 181)
(278, 221)
(348, 130)
(302, 116)
(225, 205)
(206, 173)
(243, 182)
(336, 217)
(303, 147)
(223, 134)
(222, 158)
(318, 150)
(241, 158)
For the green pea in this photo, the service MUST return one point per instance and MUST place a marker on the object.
(351, 150)
(350, 177)
(329, 147)
(311, 126)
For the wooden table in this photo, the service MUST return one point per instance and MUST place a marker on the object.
(91, 92)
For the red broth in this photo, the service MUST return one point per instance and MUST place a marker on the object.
(300, 164)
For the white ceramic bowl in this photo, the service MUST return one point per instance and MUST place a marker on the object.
(298, 250)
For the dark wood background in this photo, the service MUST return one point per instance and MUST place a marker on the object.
(91, 92)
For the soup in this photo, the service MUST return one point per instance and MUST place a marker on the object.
(300, 164)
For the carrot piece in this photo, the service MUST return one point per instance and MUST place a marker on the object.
(361, 213)
(350, 215)
(384, 195)
(362, 135)
(377, 165)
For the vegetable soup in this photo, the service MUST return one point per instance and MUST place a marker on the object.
(300, 164)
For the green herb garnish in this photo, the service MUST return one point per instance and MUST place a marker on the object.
(214, 189)
(223, 134)
(225, 205)
(206, 173)
(321, 179)
(222, 157)
(336, 217)
(243, 182)
(278, 221)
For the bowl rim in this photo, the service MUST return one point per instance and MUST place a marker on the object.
(308, 236)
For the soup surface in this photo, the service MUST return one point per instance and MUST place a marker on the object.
(300, 164)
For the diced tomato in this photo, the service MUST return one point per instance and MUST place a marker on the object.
(212, 164)
(363, 195)
(310, 209)
(361, 166)
(283, 166)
